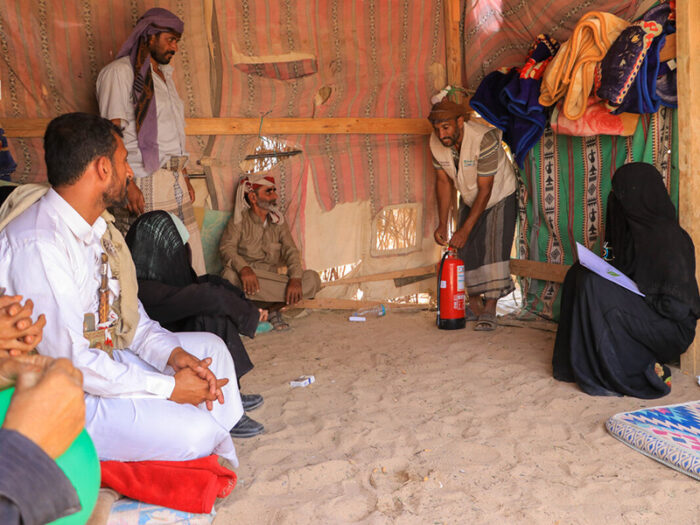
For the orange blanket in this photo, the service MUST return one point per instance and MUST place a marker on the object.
(571, 73)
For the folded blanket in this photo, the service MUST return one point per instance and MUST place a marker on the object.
(571, 73)
(642, 97)
(192, 486)
(509, 100)
(597, 120)
(666, 84)
(629, 71)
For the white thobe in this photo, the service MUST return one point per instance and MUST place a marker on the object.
(114, 96)
(51, 255)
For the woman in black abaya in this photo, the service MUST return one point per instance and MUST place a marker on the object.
(173, 295)
(612, 341)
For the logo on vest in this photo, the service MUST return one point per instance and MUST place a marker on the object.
(468, 163)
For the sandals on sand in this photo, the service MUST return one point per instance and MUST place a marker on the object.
(278, 323)
(485, 323)
(469, 315)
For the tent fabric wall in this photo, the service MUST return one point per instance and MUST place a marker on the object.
(566, 179)
(378, 58)
(564, 194)
(52, 52)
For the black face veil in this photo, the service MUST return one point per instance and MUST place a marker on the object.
(158, 251)
(648, 243)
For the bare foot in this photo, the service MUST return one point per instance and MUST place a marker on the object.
(263, 315)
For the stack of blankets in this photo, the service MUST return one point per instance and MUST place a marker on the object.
(596, 83)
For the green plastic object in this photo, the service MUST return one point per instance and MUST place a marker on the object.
(263, 326)
(80, 465)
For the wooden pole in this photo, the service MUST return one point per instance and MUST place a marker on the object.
(453, 46)
(385, 276)
(688, 51)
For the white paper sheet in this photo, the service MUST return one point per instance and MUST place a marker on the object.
(600, 266)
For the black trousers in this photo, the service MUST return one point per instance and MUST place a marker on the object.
(211, 304)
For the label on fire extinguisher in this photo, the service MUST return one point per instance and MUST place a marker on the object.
(459, 302)
(443, 284)
(460, 278)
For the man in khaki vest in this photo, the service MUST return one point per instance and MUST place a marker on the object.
(470, 158)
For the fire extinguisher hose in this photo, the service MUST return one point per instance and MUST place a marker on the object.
(439, 282)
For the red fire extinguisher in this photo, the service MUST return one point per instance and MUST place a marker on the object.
(451, 296)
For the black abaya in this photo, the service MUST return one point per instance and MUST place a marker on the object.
(180, 301)
(612, 341)
(210, 305)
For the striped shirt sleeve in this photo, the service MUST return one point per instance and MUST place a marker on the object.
(488, 154)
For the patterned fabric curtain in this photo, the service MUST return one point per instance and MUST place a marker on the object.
(564, 192)
(242, 58)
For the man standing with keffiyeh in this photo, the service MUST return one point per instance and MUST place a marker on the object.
(137, 93)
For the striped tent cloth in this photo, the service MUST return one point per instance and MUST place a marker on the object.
(564, 191)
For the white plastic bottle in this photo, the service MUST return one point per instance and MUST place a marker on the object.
(372, 311)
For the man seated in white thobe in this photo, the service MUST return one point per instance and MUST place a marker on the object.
(150, 394)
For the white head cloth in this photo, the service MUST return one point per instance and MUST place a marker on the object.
(247, 185)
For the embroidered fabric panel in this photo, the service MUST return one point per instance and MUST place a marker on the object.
(565, 190)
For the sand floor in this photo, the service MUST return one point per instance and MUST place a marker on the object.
(408, 424)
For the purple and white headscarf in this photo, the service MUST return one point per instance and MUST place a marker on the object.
(153, 21)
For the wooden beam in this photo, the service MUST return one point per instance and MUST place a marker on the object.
(688, 51)
(453, 46)
(539, 270)
(669, 50)
(383, 276)
(308, 126)
(34, 128)
(329, 303)
(24, 128)
(523, 268)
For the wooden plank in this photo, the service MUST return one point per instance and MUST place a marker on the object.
(669, 50)
(383, 276)
(28, 128)
(24, 127)
(329, 303)
(523, 268)
(308, 126)
(539, 270)
(688, 51)
(453, 46)
(538, 324)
